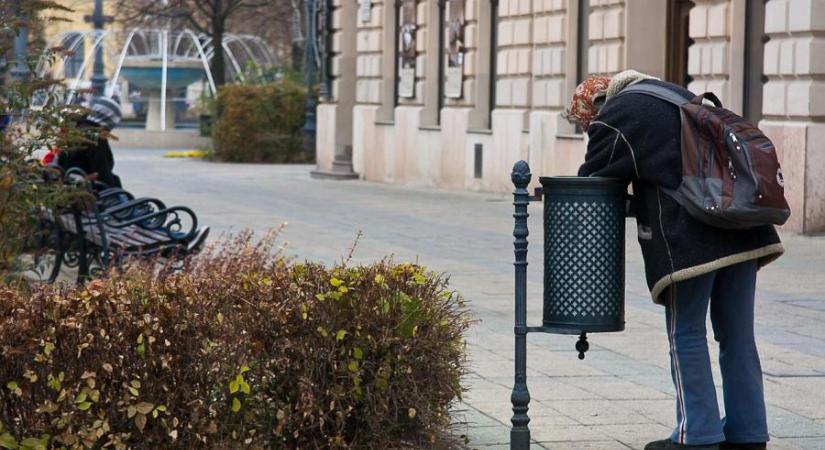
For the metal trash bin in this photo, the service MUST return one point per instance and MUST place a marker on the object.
(584, 252)
(584, 229)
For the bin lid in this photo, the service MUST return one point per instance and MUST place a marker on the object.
(568, 183)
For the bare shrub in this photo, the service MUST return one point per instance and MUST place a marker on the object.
(242, 348)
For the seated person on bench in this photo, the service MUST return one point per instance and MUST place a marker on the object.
(95, 158)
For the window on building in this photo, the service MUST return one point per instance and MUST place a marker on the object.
(493, 59)
(72, 63)
(396, 51)
(754, 78)
(582, 45)
(678, 42)
(442, 55)
(324, 25)
(582, 40)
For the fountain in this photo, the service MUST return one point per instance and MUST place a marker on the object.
(156, 62)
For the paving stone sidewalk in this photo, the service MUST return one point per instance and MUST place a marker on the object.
(619, 397)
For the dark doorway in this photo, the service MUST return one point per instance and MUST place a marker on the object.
(582, 40)
(754, 76)
(678, 41)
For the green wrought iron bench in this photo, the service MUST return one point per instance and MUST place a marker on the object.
(116, 227)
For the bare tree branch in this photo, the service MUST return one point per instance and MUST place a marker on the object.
(278, 22)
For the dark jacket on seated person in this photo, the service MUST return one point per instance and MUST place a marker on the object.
(95, 158)
(637, 137)
(92, 158)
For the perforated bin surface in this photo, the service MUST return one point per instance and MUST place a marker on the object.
(584, 229)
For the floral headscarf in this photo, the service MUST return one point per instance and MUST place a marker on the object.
(587, 100)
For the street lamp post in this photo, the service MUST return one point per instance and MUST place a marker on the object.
(309, 53)
(98, 20)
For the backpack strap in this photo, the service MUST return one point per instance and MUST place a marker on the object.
(655, 90)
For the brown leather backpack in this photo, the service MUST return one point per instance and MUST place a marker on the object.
(730, 172)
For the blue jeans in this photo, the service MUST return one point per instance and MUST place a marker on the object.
(730, 293)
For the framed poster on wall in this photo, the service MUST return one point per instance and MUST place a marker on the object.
(454, 75)
(406, 38)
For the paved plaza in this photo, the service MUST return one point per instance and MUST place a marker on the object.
(619, 397)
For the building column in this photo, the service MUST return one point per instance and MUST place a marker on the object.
(335, 116)
(716, 58)
(794, 107)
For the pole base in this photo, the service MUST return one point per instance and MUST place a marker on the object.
(341, 168)
(333, 175)
(520, 439)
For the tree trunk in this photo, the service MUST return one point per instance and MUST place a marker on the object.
(296, 27)
(297, 55)
(218, 65)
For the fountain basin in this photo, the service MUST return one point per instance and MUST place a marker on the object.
(146, 74)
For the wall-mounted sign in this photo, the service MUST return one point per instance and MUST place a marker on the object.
(455, 49)
(365, 10)
(406, 37)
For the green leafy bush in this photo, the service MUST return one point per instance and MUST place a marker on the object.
(260, 123)
(242, 348)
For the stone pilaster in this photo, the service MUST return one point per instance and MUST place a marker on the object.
(514, 63)
(794, 107)
(606, 34)
(369, 60)
(549, 40)
(334, 136)
(709, 56)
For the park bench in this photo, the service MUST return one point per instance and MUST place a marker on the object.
(115, 227)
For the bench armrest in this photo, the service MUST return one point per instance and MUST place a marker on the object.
(178, 222)
(114, 193)
(129, 206)
(74, 173)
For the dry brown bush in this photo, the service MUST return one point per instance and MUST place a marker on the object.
(242, 348)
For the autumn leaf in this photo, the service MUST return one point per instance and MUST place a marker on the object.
(140, 422)
(144, 407)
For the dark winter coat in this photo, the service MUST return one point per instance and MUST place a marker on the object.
(637, 137)
(93, 157)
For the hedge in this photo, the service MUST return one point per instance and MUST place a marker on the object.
(241, 349)
(260, 123)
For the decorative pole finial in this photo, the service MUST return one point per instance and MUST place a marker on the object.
(521, 175)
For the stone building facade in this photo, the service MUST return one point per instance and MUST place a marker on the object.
(520, 62)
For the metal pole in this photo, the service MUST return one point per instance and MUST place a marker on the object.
(20, 68)
(98, 79)
(520, 397)
(164, 45)
(309, 53)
